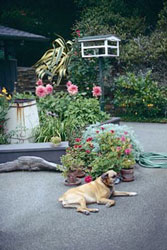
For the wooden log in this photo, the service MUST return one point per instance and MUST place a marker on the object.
(30, 163)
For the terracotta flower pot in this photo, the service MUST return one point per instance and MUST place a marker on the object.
(72, 180)
(79, 173)
(127, 174)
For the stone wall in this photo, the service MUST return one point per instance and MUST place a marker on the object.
(26, 79)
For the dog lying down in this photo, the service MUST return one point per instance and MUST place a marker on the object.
(97, 191)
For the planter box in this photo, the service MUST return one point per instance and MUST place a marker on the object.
(114, 120)
(11, 152)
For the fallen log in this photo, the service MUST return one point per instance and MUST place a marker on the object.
(30, 163)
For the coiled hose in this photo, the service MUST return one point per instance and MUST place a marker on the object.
(148, 159)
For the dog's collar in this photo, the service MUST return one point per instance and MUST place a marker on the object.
(106, 184)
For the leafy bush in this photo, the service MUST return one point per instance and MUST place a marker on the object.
(95, 130)
(78, 108)
(84, 111)
(83, 72)
(66, 115)
(52, 126)
(114, 151)
(139, 96)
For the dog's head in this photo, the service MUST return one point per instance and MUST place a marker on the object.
(108, 178)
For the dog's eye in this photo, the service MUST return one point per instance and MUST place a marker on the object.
(114, 176)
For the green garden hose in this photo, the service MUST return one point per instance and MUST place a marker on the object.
(147, 160)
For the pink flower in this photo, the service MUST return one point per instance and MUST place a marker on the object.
(128, 151)
(96, 91)
(77, 139)
(49, 88)
(88, 179)
(75, 146)
(39, 82)
(112, 131)
(72, 89)
(97, 131)
(41, 91)
(88, 151)
(89, 139)
(123, 138)
(125, 133)
(69, 83)
(78, 32)
(118, 148)
(79, 146)
(102, 128)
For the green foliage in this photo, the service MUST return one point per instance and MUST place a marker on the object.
(52, 126)
(65, 115)
(85, 111)
(139, 96)
(143, 40)
(95, 130)
(112, 154)
(80, 109)
(23, 95)
(162, 22)
(82, 72)
(4, 107)
(56, 104)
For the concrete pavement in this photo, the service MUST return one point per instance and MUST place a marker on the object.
(32, 219)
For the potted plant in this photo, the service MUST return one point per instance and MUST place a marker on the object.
(114, 153)
(70, 166)
(127, 171)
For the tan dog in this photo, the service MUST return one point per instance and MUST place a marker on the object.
(97, 191)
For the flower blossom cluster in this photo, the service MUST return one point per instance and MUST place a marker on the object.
(41, 90)
(73, 89)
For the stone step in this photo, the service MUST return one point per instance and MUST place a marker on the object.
(45, 150)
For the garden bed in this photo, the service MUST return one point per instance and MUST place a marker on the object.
(48, 152)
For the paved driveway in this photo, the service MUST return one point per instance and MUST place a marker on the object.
(32, 219)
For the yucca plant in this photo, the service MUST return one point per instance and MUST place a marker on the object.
(53, 64)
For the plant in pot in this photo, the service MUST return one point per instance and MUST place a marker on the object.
(70, 166)
(77, 160)
(114, 153)
(128, 163)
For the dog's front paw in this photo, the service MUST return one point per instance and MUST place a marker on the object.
(132, 194)
(86, 212)
(111, 203)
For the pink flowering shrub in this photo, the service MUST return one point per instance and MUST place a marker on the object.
(72, 89)
(113, 153)
(97, 91)
(39, 82)
(49, 88)
(41, 90)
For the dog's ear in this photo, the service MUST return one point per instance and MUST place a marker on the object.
(104, 176)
